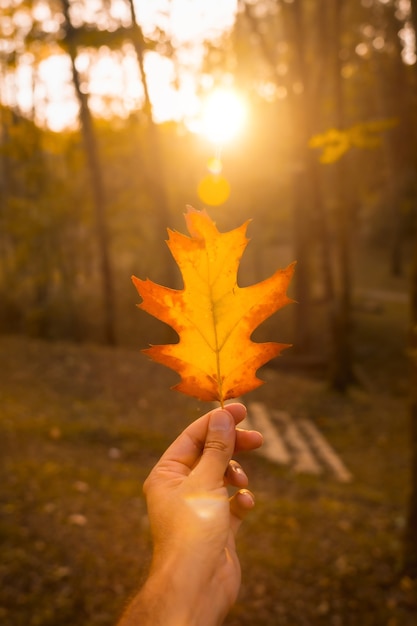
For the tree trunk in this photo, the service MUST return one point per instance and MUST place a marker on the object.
(91, 150)
(302, 203)
(397, 145)
(341, 362)
(156, 173)
(414, 15)
(410, 542)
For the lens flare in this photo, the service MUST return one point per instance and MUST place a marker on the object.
(214, 165)
(213, 190)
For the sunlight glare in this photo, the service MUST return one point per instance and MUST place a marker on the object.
(206, 507)
(223, 117)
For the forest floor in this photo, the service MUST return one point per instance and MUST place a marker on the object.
(81, 426)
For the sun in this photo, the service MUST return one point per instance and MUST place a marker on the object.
(224, 113)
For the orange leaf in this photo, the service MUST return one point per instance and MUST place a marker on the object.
(213, 317)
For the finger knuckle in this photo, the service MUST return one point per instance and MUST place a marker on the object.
(216, 445)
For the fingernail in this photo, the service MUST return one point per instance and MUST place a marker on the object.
(248, 495)
(220, 420)
(237, 468)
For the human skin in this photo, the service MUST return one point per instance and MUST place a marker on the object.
(195, 573)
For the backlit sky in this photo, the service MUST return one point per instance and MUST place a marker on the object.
(187, 23)
(114, 79)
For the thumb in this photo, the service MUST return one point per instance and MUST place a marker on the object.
(218, 448)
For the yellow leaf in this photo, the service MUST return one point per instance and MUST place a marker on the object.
(336, 142)
(212, 315)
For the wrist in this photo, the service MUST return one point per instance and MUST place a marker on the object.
(180, 588)
(174, 595)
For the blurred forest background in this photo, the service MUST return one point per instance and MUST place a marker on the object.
(325, 166)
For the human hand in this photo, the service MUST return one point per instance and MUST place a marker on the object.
(195, 572)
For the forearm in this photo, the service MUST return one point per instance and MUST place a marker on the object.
(172, 597)
(153, 606)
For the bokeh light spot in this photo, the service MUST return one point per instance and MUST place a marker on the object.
(213, 190)
(214, 165)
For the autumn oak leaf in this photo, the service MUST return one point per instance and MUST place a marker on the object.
(213, 316)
